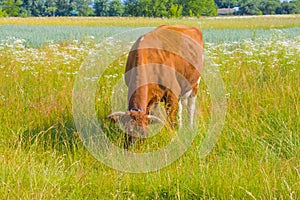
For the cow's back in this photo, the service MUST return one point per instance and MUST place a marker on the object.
(177, 47)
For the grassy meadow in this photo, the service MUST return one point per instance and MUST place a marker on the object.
(256, 157)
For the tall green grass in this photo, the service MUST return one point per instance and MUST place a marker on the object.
(256, 157)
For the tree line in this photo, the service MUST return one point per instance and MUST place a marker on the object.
(145, 8)
(262, 7)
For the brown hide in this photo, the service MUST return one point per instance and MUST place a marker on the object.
(163, 65)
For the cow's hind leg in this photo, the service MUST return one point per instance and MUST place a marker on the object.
(180, 113)
(181, 103)
(192, 103)
(191, 109)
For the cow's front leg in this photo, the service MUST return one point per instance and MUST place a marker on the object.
(172, 108)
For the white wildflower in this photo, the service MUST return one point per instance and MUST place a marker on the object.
(27, 68)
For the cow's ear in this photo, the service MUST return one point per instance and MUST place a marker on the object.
(115, 116)
(154, 120)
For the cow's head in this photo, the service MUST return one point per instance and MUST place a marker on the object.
(135, 122)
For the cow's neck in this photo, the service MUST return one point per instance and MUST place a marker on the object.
(139, 99)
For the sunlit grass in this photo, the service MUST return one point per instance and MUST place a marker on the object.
(256, 157)
(265, 22)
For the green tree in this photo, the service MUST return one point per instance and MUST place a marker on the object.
(250, 8)
(131, 8)
(101, 8)
(159, 8)
(84, 8)
(287, 8)
(63, 7)
(50, 7)
(210, 8)
(184, 5)
(144, 7)
(34, 7)
(227, 3)
(73, 5)
(115, 8)
(202, 7)
(3, 13)
(12, 7)
(269, 7)
(175, 11)
(154, 8)
(296, 3)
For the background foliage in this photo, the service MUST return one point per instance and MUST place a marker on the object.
(145, 8)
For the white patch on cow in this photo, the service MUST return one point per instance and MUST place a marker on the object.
(180, 113)
(191, 109)
(142, 38)
(182, 103)
(199, 80)
(187, 94)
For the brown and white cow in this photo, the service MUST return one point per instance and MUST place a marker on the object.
(163, 66)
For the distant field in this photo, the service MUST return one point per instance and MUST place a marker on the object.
(279, 21)
(256, 157)
(36, 36)
(38, 31)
